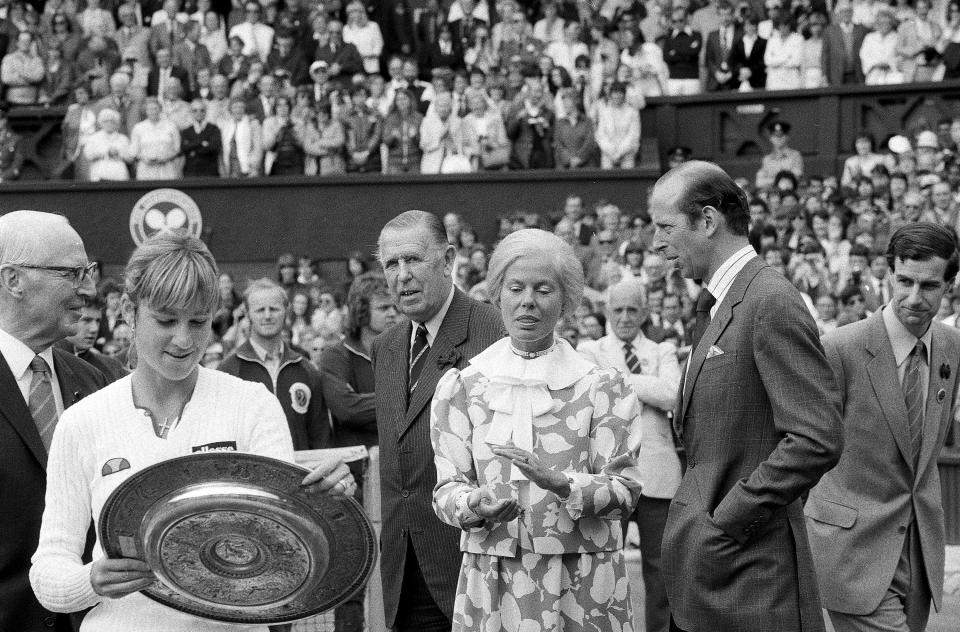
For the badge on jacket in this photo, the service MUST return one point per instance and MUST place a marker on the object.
(300, 397)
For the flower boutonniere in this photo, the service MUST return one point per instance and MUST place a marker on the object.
(448, 358)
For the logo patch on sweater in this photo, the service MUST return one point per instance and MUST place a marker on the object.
(216, 446)
(300, 397)
(115, 465)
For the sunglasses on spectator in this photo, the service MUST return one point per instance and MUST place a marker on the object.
(607, 242)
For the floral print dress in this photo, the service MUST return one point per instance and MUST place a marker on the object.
(559, 566)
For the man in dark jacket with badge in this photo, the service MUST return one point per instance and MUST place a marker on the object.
(290, 376)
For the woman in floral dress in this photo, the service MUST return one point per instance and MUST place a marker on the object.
(535, 452)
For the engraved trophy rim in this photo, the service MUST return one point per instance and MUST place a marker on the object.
(234, 537)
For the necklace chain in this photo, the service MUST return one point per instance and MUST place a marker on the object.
(530, 355)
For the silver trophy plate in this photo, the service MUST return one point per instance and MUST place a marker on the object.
(234, 537)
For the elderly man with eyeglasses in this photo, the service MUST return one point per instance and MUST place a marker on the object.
(45, 279)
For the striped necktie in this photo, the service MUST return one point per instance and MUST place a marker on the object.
(633, 362)
(43, 407)
(913, 396)
(418, 356)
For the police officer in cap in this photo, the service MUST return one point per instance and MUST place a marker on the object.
(782, 158)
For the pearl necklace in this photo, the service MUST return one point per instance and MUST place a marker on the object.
(530, 355)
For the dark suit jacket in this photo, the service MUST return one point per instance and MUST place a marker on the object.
(23, 484)
(191, 60)
(434, 57)
(407, 472)
(234, 69)
(153, 81)
(834, 55)
(201, 151)
(346, 55)
(715, 56)
(740, 59)
(761, 424)
(295, 64)
(111, 368)
(858, 513)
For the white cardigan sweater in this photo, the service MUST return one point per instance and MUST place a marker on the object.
(106, 426)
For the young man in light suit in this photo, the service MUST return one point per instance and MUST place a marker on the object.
(652, 370)
(876, 520)
(759, 418)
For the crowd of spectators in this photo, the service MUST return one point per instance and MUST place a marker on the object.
(825, 233)
(323, 87)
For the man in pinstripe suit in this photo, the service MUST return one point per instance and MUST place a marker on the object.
(759, 416)
(420, 556)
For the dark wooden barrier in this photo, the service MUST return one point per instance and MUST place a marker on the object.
(728, 127)
(248, 221)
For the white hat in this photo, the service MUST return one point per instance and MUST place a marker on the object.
(927, 139)
(899, 144)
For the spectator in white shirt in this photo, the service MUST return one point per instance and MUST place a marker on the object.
(365, 35)
(550, 27)
(783, 56)
(257, 37)
(618, 130)
(878, 55)
(564, 51)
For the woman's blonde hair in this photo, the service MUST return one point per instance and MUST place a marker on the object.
(173, 271)
(540, 245)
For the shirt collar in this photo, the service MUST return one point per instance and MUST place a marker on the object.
(262, 353)
(560, 368)
(635, 343)
(901, 339)
(19, 355)
(723, 278)
(433, 325)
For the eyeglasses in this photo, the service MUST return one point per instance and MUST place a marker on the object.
(79, 273)
(607, 242)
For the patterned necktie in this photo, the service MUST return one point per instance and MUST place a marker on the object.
(418, 356)
(913, 396)
(43, 408)
(633, 362)
(705, 303)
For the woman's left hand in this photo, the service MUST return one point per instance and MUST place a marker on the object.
(533, 469)
(332, 478)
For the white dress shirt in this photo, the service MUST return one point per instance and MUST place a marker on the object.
(18, 357)
(723, 278)
(433, 325)
(903, 343)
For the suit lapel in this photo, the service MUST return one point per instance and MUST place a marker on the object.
(933, 419)
(452, 332)
(717, 326)
(396, 359)
(612, 347)
(882, 369)
(17, 414)
(73, 387)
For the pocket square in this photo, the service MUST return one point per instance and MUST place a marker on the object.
(714, 352)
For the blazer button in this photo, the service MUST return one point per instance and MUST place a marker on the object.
(691, 462)
(901, 529)
(405, 493)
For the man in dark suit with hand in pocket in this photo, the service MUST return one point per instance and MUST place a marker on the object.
(758, 415)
